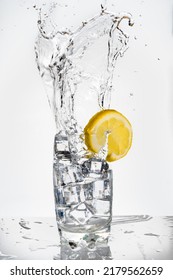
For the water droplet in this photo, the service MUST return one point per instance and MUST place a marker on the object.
(24, 224)
(152, 234)
(26, 237)
(158, 250)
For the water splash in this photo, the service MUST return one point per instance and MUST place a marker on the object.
(70, 66)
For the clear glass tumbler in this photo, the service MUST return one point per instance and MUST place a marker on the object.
(83, 195)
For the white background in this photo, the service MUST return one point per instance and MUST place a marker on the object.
(143, 180)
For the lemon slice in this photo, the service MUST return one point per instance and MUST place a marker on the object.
(112, 127)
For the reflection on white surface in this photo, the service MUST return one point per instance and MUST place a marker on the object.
(131, 237)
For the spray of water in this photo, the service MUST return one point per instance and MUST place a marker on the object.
(68, 63)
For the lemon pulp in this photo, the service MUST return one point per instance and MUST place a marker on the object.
(112, 127)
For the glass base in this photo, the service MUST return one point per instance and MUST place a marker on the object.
(82, 246)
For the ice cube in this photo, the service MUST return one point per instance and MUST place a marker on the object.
(72, 195)
(81, 214)
(59, 196)
(95, 167)
(70, 174)
(61, 145)
(60, 213)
